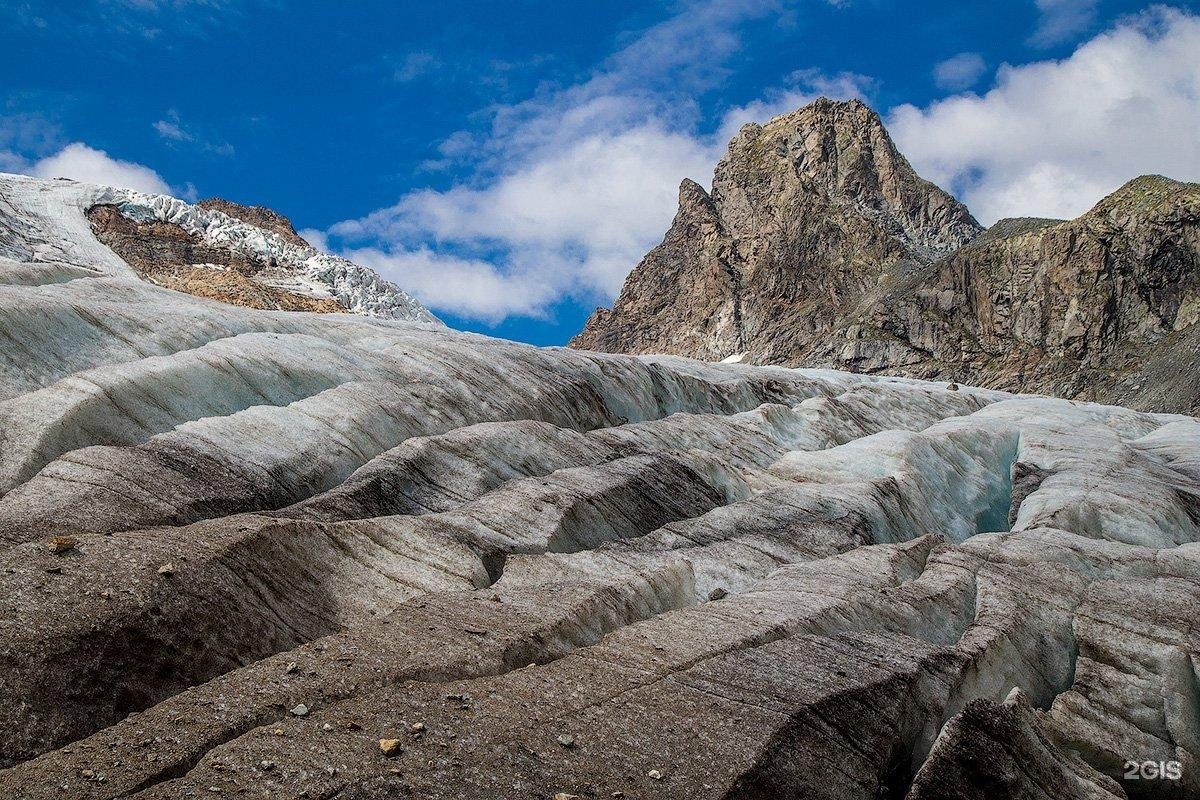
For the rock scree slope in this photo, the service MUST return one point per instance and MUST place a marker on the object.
(819, 246)
(247, 552)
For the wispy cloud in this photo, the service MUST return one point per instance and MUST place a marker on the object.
(171, 128)
(26, 136)
(1061, 20)
(414, 65)
(1053, 137)
(144, 19)
(959, 72)
(572, 185)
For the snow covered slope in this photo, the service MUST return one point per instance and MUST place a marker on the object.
(49, 225)
(288, 555)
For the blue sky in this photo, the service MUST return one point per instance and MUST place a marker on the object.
(509, 163)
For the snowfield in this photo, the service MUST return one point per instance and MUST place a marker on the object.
(549, 572)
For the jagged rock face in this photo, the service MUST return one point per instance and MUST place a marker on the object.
(821, 247)
(1088, 308)
(166, 254)
(240, 549)
(807, 213)
(258, 216)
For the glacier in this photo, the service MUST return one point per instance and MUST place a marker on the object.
(711, 580)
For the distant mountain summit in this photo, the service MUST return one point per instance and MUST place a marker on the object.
(807, 213)
(819, 245)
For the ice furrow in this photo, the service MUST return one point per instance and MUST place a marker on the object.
(428, 641)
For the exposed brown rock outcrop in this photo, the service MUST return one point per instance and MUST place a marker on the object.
(166, 254)
(807, 214)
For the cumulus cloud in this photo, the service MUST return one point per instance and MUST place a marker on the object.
(83, 163)
(574, 185)
(1053, 137)
(474, 288)
(1060, 20)
(592, 205)
(30, 144)
(959, 72)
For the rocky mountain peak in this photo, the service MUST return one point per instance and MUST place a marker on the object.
(812, 208)
(840, 153)
(820, 245)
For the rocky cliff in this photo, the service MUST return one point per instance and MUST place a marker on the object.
(820, 246)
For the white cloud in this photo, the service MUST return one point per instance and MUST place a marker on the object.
(473, 287)
(1059, 20)
(1053, 137)
(959, 72)
(574, 185)
(593, 206)
(318, 239)
(805, 86)
(83, 163)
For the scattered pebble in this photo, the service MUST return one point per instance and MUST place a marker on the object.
(61, 544)
(266, 766)
(566, 741)
(952, 387)
(417, 727)
(655, 775)
(167, 569)
(391, 747)
(300, 711)
(718, 593)
(292, 667)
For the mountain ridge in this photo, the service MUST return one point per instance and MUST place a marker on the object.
(831, 238)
